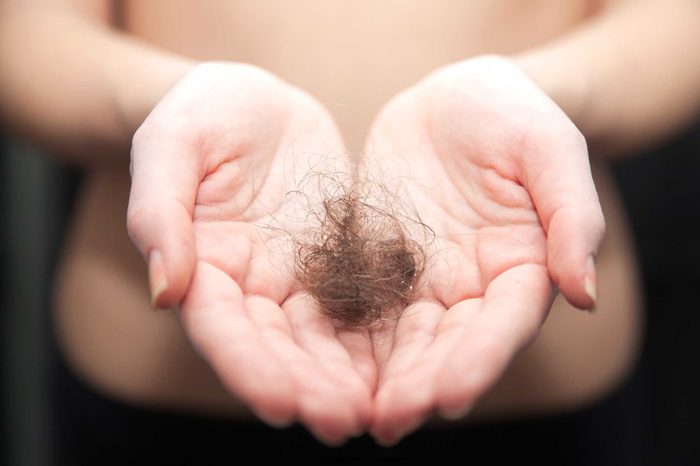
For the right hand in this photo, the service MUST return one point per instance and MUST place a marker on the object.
(212, 166)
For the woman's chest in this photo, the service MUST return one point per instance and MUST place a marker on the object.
(351, 55)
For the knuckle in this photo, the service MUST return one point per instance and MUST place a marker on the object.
(571, 131)
(600, 226)
(137, 218)
(579, 138)
(594, 222)
(139, 135)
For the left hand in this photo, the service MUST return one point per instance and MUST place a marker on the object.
(502, 177)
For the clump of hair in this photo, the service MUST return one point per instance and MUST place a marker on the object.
(360, 262)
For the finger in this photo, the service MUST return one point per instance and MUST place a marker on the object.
(557, 174)
(214, 317)
(225, 246)
(318, 337)
(164, 180)
(358, 344)
(406, 396)
(514, 307)
(413, 332)
(320, 407)
(268, 273)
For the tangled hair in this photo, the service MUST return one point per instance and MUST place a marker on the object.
(360, 262)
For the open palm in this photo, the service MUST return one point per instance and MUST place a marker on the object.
(212, 169)
(502, 178)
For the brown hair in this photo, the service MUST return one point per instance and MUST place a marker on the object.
(360, 261)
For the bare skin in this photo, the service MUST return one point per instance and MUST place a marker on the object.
(113, 340)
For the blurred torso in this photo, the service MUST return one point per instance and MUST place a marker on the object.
(352, 56)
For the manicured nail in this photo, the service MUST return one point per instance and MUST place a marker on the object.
(156, 276)
(455, 413)
(590, 284)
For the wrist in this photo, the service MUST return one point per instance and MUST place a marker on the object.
(137, 94)
(558, 76)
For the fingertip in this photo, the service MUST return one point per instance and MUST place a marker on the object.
(453, 413)
(389, 438)
(168, 283)
(462, 381)
(358, 432)
(331, 433)
(377, 427)
(382, 434)
(399, 411)
(365, 415)
(580, 289)
(456, 402)
(157, 278)
(387, 441)
(165, 236)
(331, 441)
(269, 393)
(331, 422)
(569, 261)
(573, 240)
(180, 259)
(279, 417)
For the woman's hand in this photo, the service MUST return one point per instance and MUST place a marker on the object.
(502, 177)
(212, 169)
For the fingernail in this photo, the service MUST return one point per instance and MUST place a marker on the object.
(455, 413)
(589, 284)
(156, 276)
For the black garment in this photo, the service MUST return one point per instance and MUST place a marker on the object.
(90, 429)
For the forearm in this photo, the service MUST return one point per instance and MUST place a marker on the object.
(79, 89)
(629, 78)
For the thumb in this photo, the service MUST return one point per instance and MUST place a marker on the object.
(164, 182)
(559, 180)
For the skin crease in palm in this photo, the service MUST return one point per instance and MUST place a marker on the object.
(361, 262)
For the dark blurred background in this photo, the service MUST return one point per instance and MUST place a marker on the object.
(35, 197)
(661, 189)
